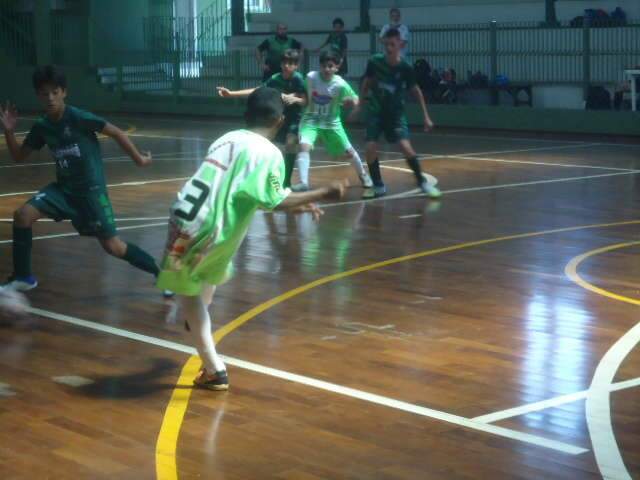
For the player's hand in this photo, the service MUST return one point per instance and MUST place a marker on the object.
(9, 117)
(311, 208)
(224, 92)
(289, 99)
(428, 124)
(355, 113)
(350, 103)
(144, 160)
(336, 190)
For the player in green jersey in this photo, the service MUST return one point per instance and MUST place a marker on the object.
(79, 193)
(294, 94)
(242, 172)
(387, 79)
(327, 93)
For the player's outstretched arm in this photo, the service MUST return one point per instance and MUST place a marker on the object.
(122, 139)
(417, 93)
(294, 99)
(9, 121)
(305, 201)
(226, 93)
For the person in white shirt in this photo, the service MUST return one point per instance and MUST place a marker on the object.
(395, 21)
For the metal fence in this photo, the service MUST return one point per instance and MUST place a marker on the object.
(530, 52)
(192, 55)
(17, 36)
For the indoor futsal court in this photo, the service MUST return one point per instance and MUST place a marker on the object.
(488, 333)
(397, 338)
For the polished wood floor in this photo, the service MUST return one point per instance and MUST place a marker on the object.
(454, 335)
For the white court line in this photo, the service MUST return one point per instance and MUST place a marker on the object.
(550, 403)
(239, 124)
(76, 234)
(147, 182)
(112, 185)
(533, 149)
(128, 160)
(417, 193)
(598, 408)
(322, 385)
(403, 217)
(526, 162)
(129, 219)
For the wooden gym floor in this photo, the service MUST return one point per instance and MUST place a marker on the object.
(489, 335)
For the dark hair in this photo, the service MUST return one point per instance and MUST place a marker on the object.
(264, 107)
(291, 55)
(338, 21)
(394, 10)
(392, 33)
(330, 56)
(49, 75)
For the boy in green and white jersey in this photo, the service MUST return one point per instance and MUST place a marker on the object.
(243, 172)
(326, 94)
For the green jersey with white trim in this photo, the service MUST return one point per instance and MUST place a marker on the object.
(74, 145)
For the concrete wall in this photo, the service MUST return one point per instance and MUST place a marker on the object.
(120, 31)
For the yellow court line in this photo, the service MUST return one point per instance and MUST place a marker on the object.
(571, 271)
(166, 446)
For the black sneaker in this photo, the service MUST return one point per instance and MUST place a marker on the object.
(218, 381)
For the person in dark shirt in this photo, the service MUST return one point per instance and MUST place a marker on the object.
(270, 52)
(80, 192)
(387, 80)
(623, 88)
(337, 41)
(292, 85)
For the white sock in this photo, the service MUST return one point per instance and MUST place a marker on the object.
(303, 160)
(356, 161)
(197, 315)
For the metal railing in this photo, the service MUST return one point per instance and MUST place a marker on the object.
(529, 52)
(17, 36)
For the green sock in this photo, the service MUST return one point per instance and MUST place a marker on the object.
(141, 259)
(289, 163)
(22, 251)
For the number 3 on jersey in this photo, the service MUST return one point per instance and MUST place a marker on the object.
(200, 193)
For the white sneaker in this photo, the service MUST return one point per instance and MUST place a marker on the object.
(430, 190)
(300, 187)
(365, 178)
(20, 285)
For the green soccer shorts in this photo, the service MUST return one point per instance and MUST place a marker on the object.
(90, 213)
(335, 139)
(395, 127)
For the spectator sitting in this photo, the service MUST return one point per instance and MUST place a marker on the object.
(623, 88)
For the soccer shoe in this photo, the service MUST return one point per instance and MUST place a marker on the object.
(168, 294)
(375, 192)
(366, 180)
(300, 187)
(20, 284)
(431, 191)
(218, 381)
(13, 303)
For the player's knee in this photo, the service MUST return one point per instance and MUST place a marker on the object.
(371, 151)
(23, 218)
(114, 247)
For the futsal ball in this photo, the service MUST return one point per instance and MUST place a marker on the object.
(12, 303)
